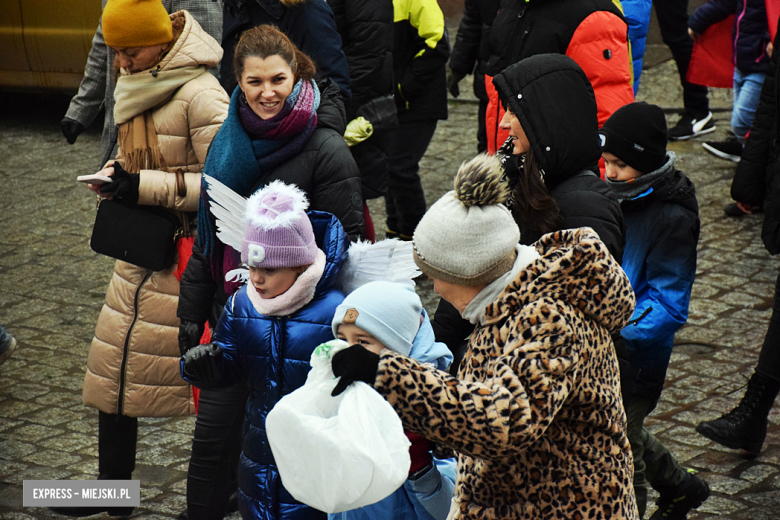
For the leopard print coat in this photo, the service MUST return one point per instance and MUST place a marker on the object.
(535, 415)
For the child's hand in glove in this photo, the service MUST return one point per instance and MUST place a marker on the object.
(355, 363)
(201, 363)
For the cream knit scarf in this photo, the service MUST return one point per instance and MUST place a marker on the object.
(135, 95)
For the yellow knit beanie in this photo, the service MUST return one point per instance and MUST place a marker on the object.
(136, 23)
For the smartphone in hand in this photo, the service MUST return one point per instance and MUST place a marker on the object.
(94, 179)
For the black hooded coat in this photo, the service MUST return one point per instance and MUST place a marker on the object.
(554, 102)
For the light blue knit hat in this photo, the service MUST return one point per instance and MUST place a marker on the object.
(388, 311)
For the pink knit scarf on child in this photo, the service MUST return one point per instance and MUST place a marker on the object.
(296, 297)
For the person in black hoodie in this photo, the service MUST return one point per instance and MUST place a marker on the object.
(757, 184)
(662, 231)
(550, 162)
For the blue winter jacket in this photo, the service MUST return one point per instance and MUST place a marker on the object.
(749, 36)
(637, 14)
(272, 354)
(430, 496)
(662, 231)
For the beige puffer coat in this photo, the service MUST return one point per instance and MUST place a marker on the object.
(133, 363)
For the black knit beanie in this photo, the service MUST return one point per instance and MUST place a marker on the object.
(636, 134)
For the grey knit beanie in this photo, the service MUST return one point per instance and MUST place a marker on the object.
(468, 236)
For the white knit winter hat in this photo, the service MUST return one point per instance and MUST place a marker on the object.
(468, 236)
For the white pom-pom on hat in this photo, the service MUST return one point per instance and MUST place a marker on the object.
(277, 204)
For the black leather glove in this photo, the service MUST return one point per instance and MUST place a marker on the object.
(453, 78)
(71, 129)
(189, 335)
(355, 363)
(124, 186)
(201, 363)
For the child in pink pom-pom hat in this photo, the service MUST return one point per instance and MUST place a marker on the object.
(270, 327)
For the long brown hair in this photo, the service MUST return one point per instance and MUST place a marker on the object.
(532, 206)
(267, 40)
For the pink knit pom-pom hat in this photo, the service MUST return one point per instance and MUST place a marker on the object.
(278, 232)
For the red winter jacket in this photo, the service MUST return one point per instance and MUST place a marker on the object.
(591, 32)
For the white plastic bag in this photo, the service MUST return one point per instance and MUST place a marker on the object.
(337, 453)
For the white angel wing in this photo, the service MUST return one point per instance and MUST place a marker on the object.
(387, 260)
(239, 275)
(229, 209)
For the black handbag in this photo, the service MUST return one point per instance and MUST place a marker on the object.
(140, 235)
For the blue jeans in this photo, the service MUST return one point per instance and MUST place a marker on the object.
(746, 93)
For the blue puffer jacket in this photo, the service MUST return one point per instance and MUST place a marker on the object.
(750, 35)
(637, 14)
(272, 353)
(662, 231)
(430, 496)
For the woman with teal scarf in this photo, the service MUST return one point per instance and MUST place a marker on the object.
(281, 125)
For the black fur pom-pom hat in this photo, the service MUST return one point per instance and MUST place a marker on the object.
(468, 236)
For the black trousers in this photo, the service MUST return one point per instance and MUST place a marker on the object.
(405, 199)
(769, 359)
(117, 437)
(673, 23)
(216, 446)
(481, 92)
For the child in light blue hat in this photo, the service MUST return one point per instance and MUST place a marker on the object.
(381, 315)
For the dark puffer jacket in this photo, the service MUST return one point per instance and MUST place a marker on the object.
(323, 169)
(308, 23)
(272, 353)
(366, 29)
(757, 180)
(749, 36)
(554, 102)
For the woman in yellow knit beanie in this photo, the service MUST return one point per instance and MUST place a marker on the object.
(140, 32)
(168, 109)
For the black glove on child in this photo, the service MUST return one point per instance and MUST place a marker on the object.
(124, 186)
(355, 363)
(71, 129)
(189, 335)
(201, 363)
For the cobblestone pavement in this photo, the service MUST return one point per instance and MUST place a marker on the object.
(52, 287)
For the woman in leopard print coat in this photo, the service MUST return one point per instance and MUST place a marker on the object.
(535, 413)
